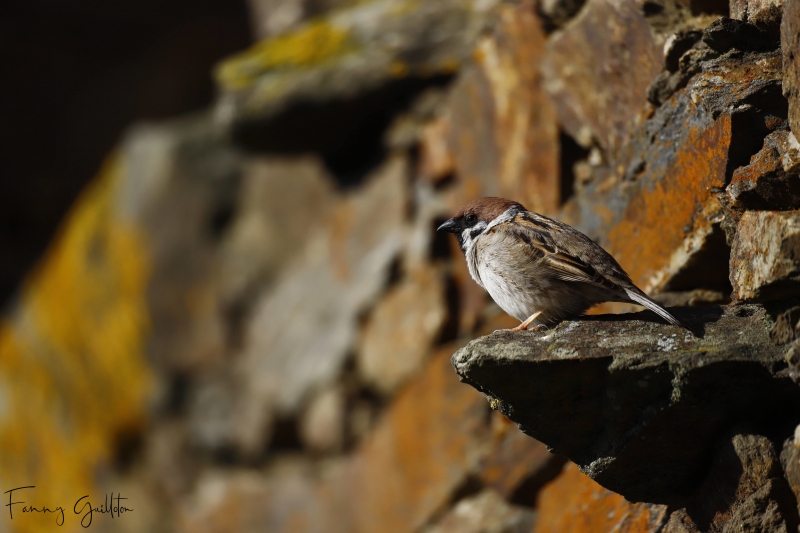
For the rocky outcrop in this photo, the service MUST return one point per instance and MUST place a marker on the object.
(349, 74)
(790, 43)
(772, 179)
(764, 256)
(642, 407)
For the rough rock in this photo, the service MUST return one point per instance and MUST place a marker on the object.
(666, 225)
(772, 179)
(181, 179)
(766, 14)
(730, 82)
(765, 261)
(210, 401)
(652, 248)
(574, 503)
(680, 522)
(586, 55)
(792, 358)
(169, 454)
(636, 404)
(558, 12)
(486, 512)
(790, 48)
(272, 17)
(424, 449)
(322, 424)
(765, 510)
(526, 131)
(267, 231)
(745, 489)
(397, 337)
(677, 45)
(502, 130)
(725, 33)
(436, 158)
(349, 73)
(785, 329)
(684, 54)
(517, 466)
(790, 460)
(276, 266)
(285, 497)
(337, 277)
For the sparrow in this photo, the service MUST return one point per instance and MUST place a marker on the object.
(537, 269)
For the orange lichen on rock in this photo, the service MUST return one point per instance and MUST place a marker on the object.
(655, 221)
(73, 375)
(425, 446)
(573, 503)
(423, 449)
(502, 129)
(526, 131)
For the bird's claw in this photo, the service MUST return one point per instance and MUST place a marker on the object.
(525, 327)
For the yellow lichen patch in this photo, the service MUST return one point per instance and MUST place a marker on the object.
(404, 7)
(398, 69)
(355, 3)
(73, 374)
(449, 66)
(313, 44)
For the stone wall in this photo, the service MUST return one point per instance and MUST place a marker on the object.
(246, 321)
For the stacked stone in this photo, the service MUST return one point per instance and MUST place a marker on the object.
(284, 311)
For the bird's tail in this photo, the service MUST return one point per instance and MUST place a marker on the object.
(642, 299)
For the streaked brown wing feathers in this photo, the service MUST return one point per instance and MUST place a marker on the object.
(562, 264)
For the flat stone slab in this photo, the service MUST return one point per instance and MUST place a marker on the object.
(639, 405)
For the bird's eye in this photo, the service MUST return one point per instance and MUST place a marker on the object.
(471, 219)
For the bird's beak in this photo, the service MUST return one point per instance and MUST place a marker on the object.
(451, 226)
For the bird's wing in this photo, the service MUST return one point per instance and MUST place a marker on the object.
(572, 258)
(577, 258)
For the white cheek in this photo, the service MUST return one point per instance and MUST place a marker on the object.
(465, 236)
(469, 235)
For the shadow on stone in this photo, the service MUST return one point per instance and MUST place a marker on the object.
(347, 132)
(744, 485)
(695, 319)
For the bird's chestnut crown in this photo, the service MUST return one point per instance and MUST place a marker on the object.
(482, 210)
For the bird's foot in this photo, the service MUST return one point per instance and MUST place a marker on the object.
(527, 324)
(535, 327)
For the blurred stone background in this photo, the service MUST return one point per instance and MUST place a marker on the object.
(244, 321)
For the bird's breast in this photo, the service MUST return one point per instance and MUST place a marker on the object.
(516, 284)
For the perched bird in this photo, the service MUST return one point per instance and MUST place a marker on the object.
(539, 270)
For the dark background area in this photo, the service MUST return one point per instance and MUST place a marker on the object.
(74, 76)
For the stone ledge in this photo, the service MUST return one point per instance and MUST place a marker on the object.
(637, 404)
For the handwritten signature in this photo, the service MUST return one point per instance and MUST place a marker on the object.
(82, 507)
